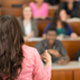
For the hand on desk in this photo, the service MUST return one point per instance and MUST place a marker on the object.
(74, 35)
(29, 36)
(62, 62)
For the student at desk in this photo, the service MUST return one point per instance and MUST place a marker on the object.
(63, 28)
(53, 46)
(28, 25)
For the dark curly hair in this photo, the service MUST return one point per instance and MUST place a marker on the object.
(11, 41)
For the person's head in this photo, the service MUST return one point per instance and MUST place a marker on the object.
(63, 15)
(39, 1)
(27, 12)
(51, 34)
(11, 41)
(59, 16)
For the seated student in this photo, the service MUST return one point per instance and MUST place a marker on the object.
(72, 8)
(53, 46)
(39, 9)
(17, 60)
(59, 21)
(28, 25)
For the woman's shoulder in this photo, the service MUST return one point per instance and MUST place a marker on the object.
(27, 48)
(28, 51)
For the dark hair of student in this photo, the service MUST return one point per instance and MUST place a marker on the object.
(56, 18)
(52, 28)
(11, 41)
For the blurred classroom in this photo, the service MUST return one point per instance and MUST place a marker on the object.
(40, 16)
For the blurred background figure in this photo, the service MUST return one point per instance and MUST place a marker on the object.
(28, 25)
(72, 7)
(63, 28)
(39, 9)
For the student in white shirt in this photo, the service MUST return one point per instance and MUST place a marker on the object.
(28, 25)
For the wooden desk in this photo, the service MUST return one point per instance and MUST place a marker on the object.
(70, 71)
(12, 11)
(75, 26)
(72, 46)
(52, 11)
(41, 25)
(9, 3)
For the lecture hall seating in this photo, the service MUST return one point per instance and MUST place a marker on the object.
(8, 8)
(72, 46)
(12, 11)
(70, 71)
(75, 26)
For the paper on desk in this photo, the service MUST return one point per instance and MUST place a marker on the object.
(36, 39)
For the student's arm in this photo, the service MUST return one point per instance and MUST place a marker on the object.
(26, 38)
(45, 30)
(64, 55)
(55, 53)
(71, 32)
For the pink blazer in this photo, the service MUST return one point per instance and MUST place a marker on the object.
(32, 66)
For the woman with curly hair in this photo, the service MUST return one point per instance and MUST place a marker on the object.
(18, 61)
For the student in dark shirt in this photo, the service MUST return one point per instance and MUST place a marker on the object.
(71, 7)
(53, 46)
